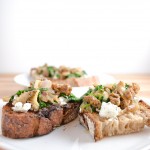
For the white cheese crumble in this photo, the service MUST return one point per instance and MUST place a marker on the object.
(109, 110)
(62, 100)
(19, 107)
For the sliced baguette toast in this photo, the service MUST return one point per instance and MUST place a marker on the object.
(132, 117)
(46, 111)
(74, 77)
(30, 124)
(145, 111)
(123, 124)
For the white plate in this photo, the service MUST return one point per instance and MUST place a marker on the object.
(24, 79)
(75, 137)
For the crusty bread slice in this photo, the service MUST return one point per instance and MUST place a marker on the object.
(123, 124)
(145, 109)
(78, 82)
(29, 124)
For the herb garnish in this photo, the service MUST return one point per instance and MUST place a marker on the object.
(51, 71)
(76, 74)
(127, 86)
(70, 97)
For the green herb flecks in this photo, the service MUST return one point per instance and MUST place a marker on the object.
(18, 93)
(86, 107)
(127, 86)
(70, 97)
(76, 74)
(99, 88)
(42, 89)
(11, 98)
(88, 92)
(42, 104)
(51, 71)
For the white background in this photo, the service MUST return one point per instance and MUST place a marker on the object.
(104, 35)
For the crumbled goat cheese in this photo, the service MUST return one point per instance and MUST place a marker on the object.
(19, 107)
(109, 110)
(62, 100)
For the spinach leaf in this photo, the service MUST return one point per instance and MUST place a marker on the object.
(76, 74)
(51, 71)
(43, 89)
(42, 104)
(18, 93)
(88, 92)
(11, 98)
(99, 88)
(71, 75)
(87, 107)
(127, 86)
(70, 97)
(57, 76)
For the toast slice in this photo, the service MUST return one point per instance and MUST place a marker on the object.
(145, 111)
(28, 114)
(102, 121)
(74, 77)
(124, 124)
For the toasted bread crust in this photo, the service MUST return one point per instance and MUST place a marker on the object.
(145, 108)
(70, 112)
(19, 125)
(25, 125)
(102, 127)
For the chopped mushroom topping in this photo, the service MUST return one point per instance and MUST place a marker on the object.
(136, 87)
(24, 97)
(47, 96)
(92, 101)
(120, 94)
(34, 102)
(31, 97)
(41, 94)
(61, 72)
(62, 88)
(114, 98)
(120, 88)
